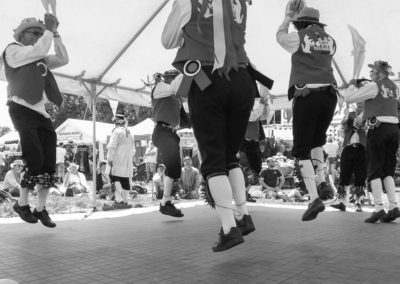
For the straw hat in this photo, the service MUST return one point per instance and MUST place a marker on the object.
(73, 165)
(17, 163)
(382, 66)
(26, 24)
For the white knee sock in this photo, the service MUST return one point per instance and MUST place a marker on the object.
(125, 194)
(390, 190)
(41, 198)
(118, 192)
(345, 201)
(376, 186)
(221, 192)
(168, 184)
(307, 172)
(23, 197)
(236, 180)
(317, 159)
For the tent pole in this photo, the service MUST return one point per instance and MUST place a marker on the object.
(94, 100)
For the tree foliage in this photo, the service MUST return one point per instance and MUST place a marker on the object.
(76, 107)
(4, 130)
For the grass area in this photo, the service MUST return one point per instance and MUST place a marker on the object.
(75, 204)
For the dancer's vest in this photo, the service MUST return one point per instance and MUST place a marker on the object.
(312, 62)
(348, 130)
(171, 111)
(30, 81)
(252, 130)
(385, 103)
(200, 46)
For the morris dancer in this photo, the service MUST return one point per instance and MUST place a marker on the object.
(312, 87)
(381, 99)
(221, 95)
(169, 116)
(27, 66)
(353, 159)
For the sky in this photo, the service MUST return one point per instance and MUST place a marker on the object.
(93, 43)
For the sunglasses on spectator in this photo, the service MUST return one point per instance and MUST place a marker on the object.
(35, 33)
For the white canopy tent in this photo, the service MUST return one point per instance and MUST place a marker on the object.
(11, 136)
(109, 54)
(143, 128)
(82, 130)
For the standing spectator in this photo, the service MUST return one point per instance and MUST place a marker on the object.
(381, 100)
(120, 158)
(12, 180)
(331, 148)
(312, 86)
(190, 180)
(158, 181)
(27, 68)
(150, 158)
(69, 153)
(60, 161)
(221, 97)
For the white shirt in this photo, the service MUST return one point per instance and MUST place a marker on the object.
(60, 155)
(331, 148)
(172, 35)
(19, 55)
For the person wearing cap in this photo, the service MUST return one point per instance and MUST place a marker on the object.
(120, 155)
(218, 81)
(169, 116)
(381, 100)
(312, 87)
(12, 180)
(272, 180)
(27, 65)
(190, 180)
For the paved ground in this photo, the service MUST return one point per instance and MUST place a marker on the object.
(152, 248)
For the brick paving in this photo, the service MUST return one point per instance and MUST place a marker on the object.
(338, 247)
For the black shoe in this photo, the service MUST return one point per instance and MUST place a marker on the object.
(170, 209)
(375, 216)
(233, 238)
(314, 208)
(246, 225)
(339, 206)
(25, 213)
(249, 198)
(358, 207)
(43, 216)
(391, 215)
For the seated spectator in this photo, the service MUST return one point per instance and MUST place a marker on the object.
(103, 183)
(190, 180)
(74, 181)
(12, 180)
(272, 180)
(158, 181)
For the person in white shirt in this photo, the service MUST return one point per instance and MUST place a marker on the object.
(60, 161)
(27, 65)
(331, 148)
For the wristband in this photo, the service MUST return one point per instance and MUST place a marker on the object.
(56, 34)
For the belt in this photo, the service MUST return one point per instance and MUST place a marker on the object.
(166, 125)
(321, 89)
